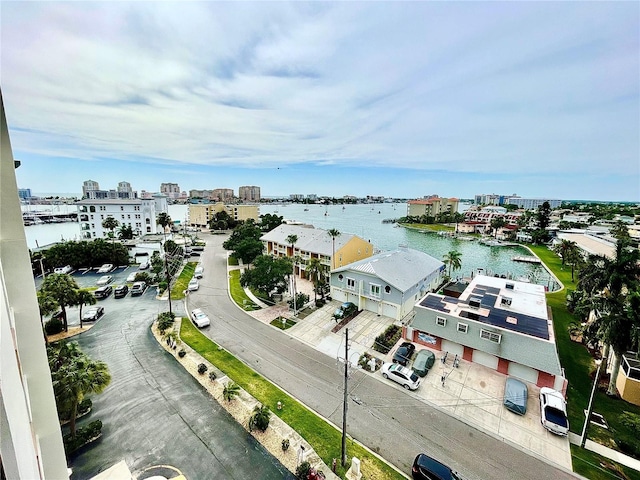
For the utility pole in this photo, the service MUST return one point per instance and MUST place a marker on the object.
(583, 438)
(345, 404)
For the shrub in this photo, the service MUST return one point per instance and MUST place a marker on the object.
(165, 321)
(212, 376)
(162, 285)
(320, 303)
(83, 436)
(230, 391)
(301, 300)
(202, 368)
(53, 326)
(285, 444)
(182, 353)
(387, 339)
(260, 419)
(302, 472)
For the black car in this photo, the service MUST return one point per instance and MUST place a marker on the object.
(103, 292)
(121, 291)
(403, 353)
(345, 311)
(427, 468)
(92, 313)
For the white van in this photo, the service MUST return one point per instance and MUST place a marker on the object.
(199, 271)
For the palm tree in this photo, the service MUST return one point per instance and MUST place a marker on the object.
(47, 306)
(63, 289)
(563, 248)
(230, 391)
(333, 233)
(292, 239)
(164, 220)
(497, 223)
(314, 269)
(454, 260)
(260, 418)
(77, 376)
(85, 297)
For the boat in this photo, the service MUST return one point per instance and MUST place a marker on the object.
(306, 209)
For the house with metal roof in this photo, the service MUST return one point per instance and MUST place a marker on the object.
(496, 322)
(315, 243)
(388, 283)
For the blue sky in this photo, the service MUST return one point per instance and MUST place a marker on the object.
(401, 99)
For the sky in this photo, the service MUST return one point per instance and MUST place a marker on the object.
(398, 99)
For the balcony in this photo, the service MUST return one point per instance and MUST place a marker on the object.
(82, 209)
(84, 227)
(84, 218)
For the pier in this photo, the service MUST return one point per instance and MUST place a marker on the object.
(526, 259)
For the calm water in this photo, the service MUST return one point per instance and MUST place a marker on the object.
(366, 222)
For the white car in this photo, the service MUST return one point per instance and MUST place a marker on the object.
(144, 265)
(193, 285)
(132, 277)
(199, 271)
(553, 411)
(106, 268)
(63, 270)
(200, 318)
(104, 280)
(402, 375)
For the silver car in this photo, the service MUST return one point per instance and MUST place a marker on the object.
(402, 375)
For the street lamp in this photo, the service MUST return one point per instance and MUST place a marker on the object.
(583, 439)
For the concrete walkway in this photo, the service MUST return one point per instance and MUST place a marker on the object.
(607, 452)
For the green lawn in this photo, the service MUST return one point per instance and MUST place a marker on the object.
(233, 261)
(323, 437)
(434, 227)
(177, 292)
(238, 294)
(579, 366)
(595, 467)
(277, 322)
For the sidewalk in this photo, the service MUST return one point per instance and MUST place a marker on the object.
(607, 452)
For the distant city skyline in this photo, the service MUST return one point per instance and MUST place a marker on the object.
(393, 99)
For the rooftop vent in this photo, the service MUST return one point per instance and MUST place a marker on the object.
(474, 303)
(512, 320)
(505, 301)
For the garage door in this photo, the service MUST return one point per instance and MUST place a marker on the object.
(527, 374)
(389, 310)
(339, 295)
(485, 359)
(372, 305)
(452, 348)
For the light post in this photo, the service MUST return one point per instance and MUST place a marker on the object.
(583, 439)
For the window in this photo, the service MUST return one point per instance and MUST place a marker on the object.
(121, 208)
(148, 229)
(351, 284)
(387, 289)
(91, 217)
(375, 290)
(441, 321)
(122, 215)
(491, 336)
(463, 327)
(92, 208)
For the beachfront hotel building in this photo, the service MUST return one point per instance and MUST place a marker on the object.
(200, 214)
(31, 440)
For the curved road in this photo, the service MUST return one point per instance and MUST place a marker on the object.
(390, 421)
(154, 413)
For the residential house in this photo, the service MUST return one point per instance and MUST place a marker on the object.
(388, 283)
(316, 243)
(496, 322)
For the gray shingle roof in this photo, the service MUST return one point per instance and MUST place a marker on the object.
(313, 240)
(400, 268)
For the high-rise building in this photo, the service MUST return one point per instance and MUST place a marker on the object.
(222, 194)
(24, 193)
(171, 190)
(91, 190)
(533, 203)
(432, 206)
(249, 193)
(87, 186)
(30, 440)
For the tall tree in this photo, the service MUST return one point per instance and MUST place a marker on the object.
(47, 306)
(544, 215)
(269, 221)
(314, 270)
(333, 233)
(496, 224)
(291, 240)
(62, 288)
(269, 274)
(164, 220)
(620, 231)
(454, 260)
(125, 232)
(110, 224)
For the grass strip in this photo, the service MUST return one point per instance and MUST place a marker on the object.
(596, 467)
(433, 227)
(238, 294)
(322, 436)
(179, 287)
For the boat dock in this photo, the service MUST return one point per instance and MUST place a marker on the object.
(526, 259)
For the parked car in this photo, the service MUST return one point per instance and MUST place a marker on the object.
(63, 270)
(516, 395)
(199, 271)
(402, 375)
(200, 318)
(423, 362)
(144, 265)
(103, 280)
(120, 291)
(345, 310)
(427, 468)
(553, 411)
(197, 248)
(138, 288)
(106, 268)
(93, 313)
(404, 353)
(193, 285)
(132, 277)
(103, 292)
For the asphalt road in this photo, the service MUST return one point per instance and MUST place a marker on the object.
(391, 422)
(154, 412)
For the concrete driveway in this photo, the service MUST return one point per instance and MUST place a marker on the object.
(155, 413)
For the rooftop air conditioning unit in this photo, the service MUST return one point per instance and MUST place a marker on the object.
(474, 303)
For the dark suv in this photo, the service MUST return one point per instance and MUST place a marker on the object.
(427, 468)
(121, 291)
(103, 292)
(345, 310)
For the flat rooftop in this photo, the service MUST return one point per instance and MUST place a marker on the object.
(517, 306)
